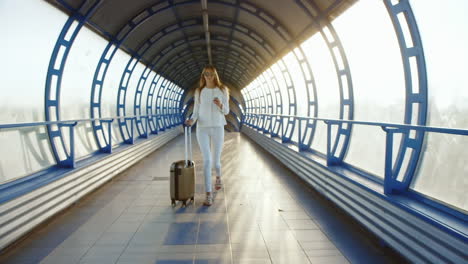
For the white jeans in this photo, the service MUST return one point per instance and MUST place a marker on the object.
(216, 136)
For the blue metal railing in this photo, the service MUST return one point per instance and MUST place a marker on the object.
(391, 183)
(69, 160)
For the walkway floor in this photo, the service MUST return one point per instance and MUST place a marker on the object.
(264, 214)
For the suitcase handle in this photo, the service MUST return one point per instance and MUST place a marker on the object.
(188, 145)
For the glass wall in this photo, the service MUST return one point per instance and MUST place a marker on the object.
(276, 69)
(75, 93)
(30, 29)
(298, 83)
(373, 53)
(26, 48)
(270, 86)
(328, 93)
(146, 90)
(132, 88)
(110, 91)
(443, 171)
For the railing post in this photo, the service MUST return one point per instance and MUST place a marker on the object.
(391, 184)
(147, 126)
(302, 134)
(108, 148)
(299, 134)
(131, 139)
(264, 124)
(273, 125)
(282, 129)
(158, 123)
(72, 145)
(145, 135)
(154, 118)
(70, 161)
(161, 126)
(259, 122)
(270, 127)
(329, 152)
(388, 178)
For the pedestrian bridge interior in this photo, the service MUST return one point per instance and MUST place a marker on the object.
(345, 142)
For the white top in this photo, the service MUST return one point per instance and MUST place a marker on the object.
(206, 112)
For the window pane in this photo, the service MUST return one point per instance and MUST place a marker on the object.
(156, 85)
(282, 87)
(145, 93)
(110, 91)
(76, 88)
(27, 44)
(132, 88)
(271, 88)
(443, 171)
(373, 53)
(298, 82)
(328, 94)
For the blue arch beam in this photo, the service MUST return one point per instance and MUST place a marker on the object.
(63, 157)
(342, 137)
(397, 177)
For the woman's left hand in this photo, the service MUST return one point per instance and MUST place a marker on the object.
(217, 102)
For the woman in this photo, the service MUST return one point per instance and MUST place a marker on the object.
(211, 105)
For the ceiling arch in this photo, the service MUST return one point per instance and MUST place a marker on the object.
(178, 50)
(257, 32)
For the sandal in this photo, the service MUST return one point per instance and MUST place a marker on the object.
(218, 184)
(209, 200)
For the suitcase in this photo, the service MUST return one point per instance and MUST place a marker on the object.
(182, 179)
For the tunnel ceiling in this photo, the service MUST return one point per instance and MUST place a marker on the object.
(245, 37)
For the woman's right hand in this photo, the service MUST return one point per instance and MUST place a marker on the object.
(189, 122)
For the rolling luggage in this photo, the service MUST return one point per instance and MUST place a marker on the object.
(182, 179)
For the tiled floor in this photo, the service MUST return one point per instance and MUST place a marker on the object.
(263, 215)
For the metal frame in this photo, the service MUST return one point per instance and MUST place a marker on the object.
(217, 62)
(155, 83)
(411, 145)
(261, 104)
(235, 117)
(266, 89)
(58, 59)
(137, 103)
(215, 22)
(158, 104)
(167, 105)
(231, 37)
(342, 138)
(162, 104)
(276, 122)
(191, 72)
(305, 140)
(237, 103)
(287, 131)
(183, 69)
(106, 59)
(248, 105)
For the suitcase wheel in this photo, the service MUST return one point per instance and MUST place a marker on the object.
(173, 202)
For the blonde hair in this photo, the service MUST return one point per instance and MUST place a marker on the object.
(217, 81)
